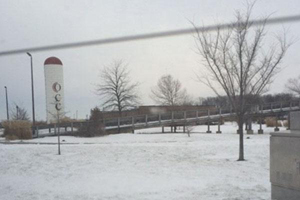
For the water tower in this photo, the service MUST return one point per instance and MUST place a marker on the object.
(54, 82)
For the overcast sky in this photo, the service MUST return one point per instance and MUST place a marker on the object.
(37, 23)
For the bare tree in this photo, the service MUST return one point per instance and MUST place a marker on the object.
(116, 89)
(169, 91)
(189, 128)
(293, 85)
(237, 64)
(19, 113)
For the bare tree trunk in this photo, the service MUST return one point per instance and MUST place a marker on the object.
(241, 134)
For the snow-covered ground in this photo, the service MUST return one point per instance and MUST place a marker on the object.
(139, 166)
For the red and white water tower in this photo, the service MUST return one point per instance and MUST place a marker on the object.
(54, 82)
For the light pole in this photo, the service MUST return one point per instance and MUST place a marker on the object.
(7, 114)
(32, 90)
(17, 107)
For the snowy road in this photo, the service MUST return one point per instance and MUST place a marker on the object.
(138, 166)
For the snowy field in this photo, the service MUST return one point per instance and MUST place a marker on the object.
(139, 166)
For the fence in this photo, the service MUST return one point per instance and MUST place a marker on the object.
(174, 118)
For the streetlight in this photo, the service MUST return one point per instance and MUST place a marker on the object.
(7, 114)
(32, 90)
(17, 107)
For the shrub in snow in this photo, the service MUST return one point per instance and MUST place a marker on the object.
(271, 122)
(14, 130)
(91, 129)
(94, 127)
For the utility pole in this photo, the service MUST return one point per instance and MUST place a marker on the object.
(7, 113)
(32, 90)
(17, 107)
(58, 132)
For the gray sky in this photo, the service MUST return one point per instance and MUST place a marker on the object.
(37, 23)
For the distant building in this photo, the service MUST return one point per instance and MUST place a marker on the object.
(155, 110)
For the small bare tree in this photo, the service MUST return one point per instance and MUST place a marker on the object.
(19, 113)
(293, 85)
(169, 91)
(189, 128)
(116, 89)
(237, 64)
